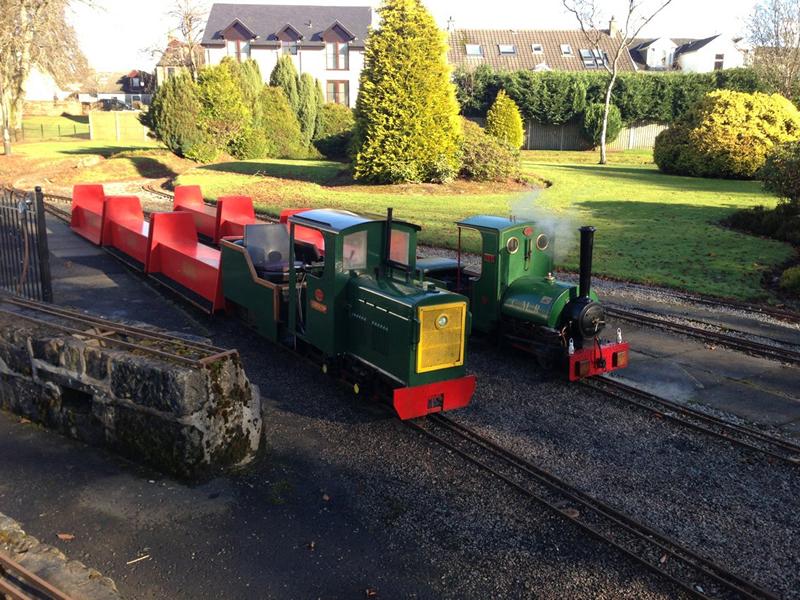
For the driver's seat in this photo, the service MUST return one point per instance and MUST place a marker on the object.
(268, 247)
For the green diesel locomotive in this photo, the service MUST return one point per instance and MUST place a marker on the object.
(516, 298)
(342, 289)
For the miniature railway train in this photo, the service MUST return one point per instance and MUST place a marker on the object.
(350, 292)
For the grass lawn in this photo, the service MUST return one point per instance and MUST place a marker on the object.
(59, 127)
(652, 228)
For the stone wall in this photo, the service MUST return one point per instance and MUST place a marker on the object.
(187, 421)
(71, 577)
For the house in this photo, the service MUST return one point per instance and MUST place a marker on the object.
(120, 90)
(709, 54)
(690, 55)
(176, 59)
(533, 49)
(324, 41)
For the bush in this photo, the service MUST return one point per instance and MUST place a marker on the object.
(223, 112)
(407, 123)
(728, 134)
(593, 123)
(790, 280)
(252, 143)
(485, 158)
(173, 115)
(276, 119)
(307, 107)
(336, 146)
(781, 223)
(284, 76)
(335, 131)
(781, 172)
(204, 150)
(504, 122)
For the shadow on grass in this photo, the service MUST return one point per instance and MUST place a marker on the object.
(104, 151)
(651, 176)
(311, 171)
(82, 119)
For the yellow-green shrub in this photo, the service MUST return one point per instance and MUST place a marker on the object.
(407, 122)
(504, 122)
(790, 280)
(727, 134)
(485, 158)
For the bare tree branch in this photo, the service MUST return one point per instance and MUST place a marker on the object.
(587, 13)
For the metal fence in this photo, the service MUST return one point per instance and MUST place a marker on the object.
(37, 133)
(24, 256)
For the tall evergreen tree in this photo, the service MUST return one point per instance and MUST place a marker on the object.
(504, 122)
(320, 103)
(173, 114)
(223, 112)
(308, 109)
(407, 121)
(284, 76)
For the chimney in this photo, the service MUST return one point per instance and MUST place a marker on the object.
(613, 27)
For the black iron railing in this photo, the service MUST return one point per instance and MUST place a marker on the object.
(24, 256)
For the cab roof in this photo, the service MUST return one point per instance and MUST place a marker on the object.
(489, 223)
(337, 221)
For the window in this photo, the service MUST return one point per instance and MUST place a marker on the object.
(719, 62)
(339, 92)
(507, 48)
(170, 72)
(135, 82)
(537, 48)
(566, 50)
(399, 247)
(289, 48)
(601, 57)
(354, 255)
(474, 50)
(588, 59)
(337, 56)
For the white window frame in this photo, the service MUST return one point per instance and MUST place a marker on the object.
(467, 48)
(537, 48)
(566, 50)
(510, 49)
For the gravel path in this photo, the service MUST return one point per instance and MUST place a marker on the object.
(724, 502)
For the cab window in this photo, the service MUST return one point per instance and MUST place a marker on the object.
(354, 257)
(399, 247)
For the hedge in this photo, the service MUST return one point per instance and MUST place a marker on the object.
(556, 97)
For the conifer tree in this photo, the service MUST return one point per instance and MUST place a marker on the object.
(173, 114)
(307, 109)
(504, 122)
(284, 76)
(407, 122)
(320, 103)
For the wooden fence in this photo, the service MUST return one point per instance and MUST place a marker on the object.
(570, 137)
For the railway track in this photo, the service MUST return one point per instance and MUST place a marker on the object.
(18, 583)
(694, 574)
(107, 333)
(747, 437)
(783, 353)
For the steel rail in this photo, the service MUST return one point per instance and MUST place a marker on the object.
(747, 437)
(786, 355)
(117, 327)
(9, 566)
(655, 551)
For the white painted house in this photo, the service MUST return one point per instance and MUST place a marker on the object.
(325, 41)
(689, 55)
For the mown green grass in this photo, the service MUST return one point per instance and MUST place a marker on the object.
(38, 128)
(652, 228)
(70, 149)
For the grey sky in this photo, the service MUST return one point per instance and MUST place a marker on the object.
(115, 33)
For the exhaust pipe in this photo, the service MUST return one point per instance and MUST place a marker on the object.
(587, 248)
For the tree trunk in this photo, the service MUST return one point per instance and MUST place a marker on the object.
(5, 120)
(604, 132)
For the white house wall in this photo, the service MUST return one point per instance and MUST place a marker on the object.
(305, 61)
(660, 54)
(702, 60)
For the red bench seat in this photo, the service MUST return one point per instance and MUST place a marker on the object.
(176, 254)
(233, 213)
(88, 203)
(189, 199)
(125, 229)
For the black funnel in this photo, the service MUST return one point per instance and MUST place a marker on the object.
(587, 248)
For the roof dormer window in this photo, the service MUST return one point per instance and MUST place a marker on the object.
(537, 48)
(507, 48)
(566, 50)
(474, 50)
